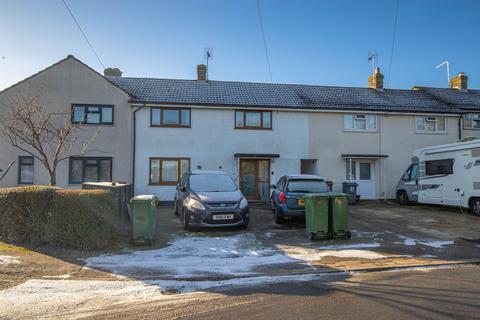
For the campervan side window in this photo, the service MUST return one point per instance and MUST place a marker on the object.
(439, 167)
(411, 173)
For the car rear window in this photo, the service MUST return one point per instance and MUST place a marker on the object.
(212, 183)
(307, 186)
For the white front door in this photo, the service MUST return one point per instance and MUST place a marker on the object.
(362, 172)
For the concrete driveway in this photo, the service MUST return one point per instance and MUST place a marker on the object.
(384, 235)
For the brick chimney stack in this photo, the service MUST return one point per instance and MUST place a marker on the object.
(459, 81)
(375, 81)
(202, 72)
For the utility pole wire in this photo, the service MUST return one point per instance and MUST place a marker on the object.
(83, 33)
(264, 41)
(393, 43)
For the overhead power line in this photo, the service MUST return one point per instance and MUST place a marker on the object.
(264, 41)
(393, 43)
(83, 33)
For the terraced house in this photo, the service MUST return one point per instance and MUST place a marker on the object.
(153, 130)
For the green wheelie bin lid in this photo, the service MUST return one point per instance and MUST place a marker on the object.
(144, 218)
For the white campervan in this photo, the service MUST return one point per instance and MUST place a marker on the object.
(446, 175)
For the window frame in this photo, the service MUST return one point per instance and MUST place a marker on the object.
(84, 161)
(20, 165)
(355, 115)
(161, 159)
(85, 115)
(425, 120)
(179, 125)
(245, 127)
(472, 114)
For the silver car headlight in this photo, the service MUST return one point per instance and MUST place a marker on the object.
(243, 203)
(194, 204)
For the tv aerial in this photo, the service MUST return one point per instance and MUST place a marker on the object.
(446, 63)
(373, 58)
(208, 55)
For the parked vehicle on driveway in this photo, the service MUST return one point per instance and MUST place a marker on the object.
(287, 195)
(446, 175)
(207, 198)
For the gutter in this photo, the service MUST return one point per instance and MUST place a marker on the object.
(135, 144)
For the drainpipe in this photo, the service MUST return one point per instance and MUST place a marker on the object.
(460, 128)
(135, 144)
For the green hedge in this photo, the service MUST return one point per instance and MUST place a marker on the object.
(73, 219)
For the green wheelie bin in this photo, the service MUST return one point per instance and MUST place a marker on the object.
(316, 215)
(326, 215)
(144, 218)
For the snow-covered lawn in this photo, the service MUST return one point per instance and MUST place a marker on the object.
(238, 255)
(195, 256)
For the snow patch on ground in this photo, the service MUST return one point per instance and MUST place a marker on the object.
(433, 243)
(195, 256)
(437, 244)
(53, 297)
(6, 260)
(309, 255)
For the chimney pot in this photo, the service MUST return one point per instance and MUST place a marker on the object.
(375, 81)
(112, 72)
(202, 72)
(459, 81)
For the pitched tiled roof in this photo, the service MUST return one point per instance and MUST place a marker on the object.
(266, 95)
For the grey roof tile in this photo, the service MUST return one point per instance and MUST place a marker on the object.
(291, 96)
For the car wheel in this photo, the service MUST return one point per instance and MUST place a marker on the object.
(278, 219)
(475, 206)
(186, 223)
(402, 198)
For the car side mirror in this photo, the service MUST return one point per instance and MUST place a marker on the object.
(272, 186)
(183, 189)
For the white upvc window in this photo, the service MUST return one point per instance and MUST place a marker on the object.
(360, 122)
(471, 121)
(430, 124)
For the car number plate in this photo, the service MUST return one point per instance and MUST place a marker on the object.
(223, 217)
(301, 202)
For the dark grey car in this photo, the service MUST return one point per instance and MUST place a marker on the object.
(287, 196)
(207, 198)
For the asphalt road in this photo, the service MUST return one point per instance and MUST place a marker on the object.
(429, 294)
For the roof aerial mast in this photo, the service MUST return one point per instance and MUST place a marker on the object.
(448, 69)
(208, 55)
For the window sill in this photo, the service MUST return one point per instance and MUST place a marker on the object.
(174, 127)
(473, 129)
(253, 128)
(164, 184)
(360, 130)
(432, 132)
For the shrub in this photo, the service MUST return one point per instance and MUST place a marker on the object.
(74, 219)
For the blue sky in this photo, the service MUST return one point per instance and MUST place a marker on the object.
(310, 42)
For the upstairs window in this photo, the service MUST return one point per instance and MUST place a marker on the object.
(25, 170)
(90, 169)
(92, 114)
(253, 119)
(360, 122)
(170, 117)
(471, 121)
(430, 124)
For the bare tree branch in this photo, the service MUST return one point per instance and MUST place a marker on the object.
(6, 170)
(50, 137)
